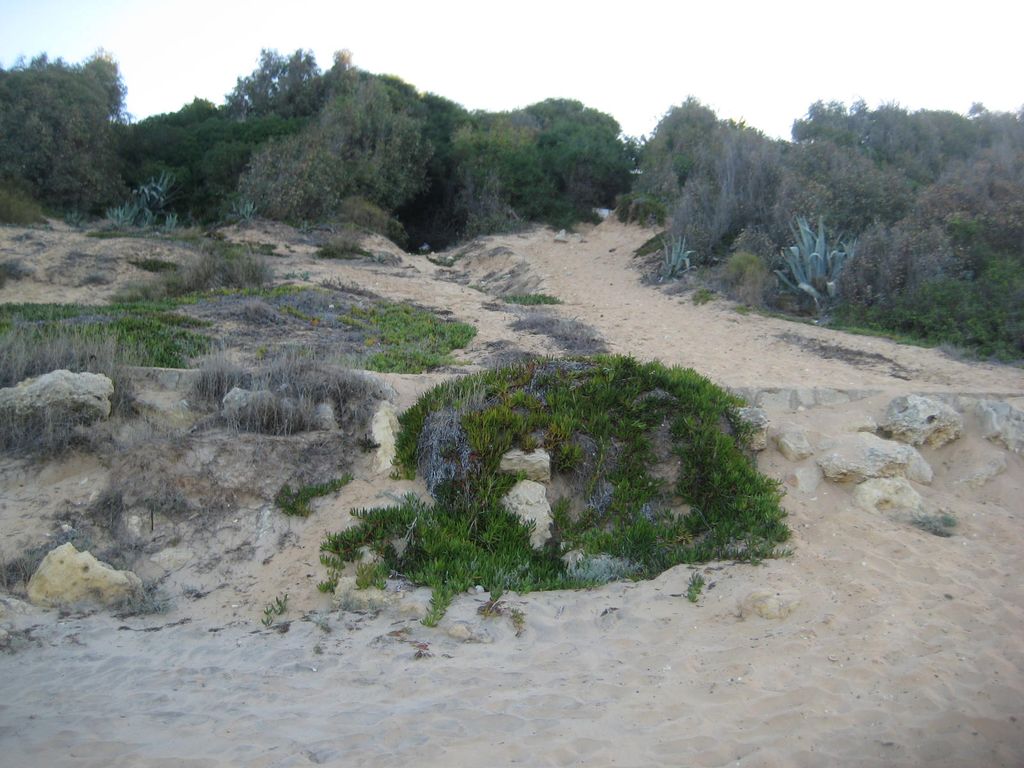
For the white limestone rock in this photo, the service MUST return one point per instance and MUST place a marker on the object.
(85, 395)
(921, 421)
(757, 418)
(384, 430)
(1001, 423)
(69, 577)
(792, 443)
(804, 479)
(861, 456)
(528, 501)
(536, 464)
(893, 496)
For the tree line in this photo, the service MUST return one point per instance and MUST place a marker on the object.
(933, 200)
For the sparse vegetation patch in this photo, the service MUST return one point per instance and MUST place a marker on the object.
(532, 299)
(407, 339)
(296, 502)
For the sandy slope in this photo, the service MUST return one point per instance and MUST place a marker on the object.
(896, 647)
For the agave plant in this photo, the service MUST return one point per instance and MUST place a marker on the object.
(243, 210)
(155, 193)
(146, 218)
(123, 216)
(814, 268)
(170, 222)
(677, 258)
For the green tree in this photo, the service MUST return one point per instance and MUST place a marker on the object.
(360, 145)
(204, 148)
(283, 86)
(58, 129)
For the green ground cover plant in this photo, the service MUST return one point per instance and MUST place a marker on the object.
(654, 456)
(145, 333)
(295, 502)
(408, 339)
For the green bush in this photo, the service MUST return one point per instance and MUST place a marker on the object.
(59, 127)
(984, 316)
(360, 145)
(747, 277)
(347, 244)
(362, 213)
(638, 208)
(16, 207)
(614, 409)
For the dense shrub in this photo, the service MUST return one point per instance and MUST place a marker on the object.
(639, 208)
(892, 262)
(553, 162)
(204, 148)
(843, 186)
(58, 128)
(747, 278)
(286, 87)
(985, 315)
(359, 145)
(17, 207)
(720, 176)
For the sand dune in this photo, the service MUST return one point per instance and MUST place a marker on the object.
(873, 644)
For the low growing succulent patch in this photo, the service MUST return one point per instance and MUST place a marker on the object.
(651, 461)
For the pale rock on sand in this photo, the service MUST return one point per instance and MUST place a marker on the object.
(757, 418)
(920, 420)
(768, 605)
(988, 470)
(804, 479)
(467, 633)
(862, 422)
(859, 456)
(792, 443)
(349, 597)
(528, 500)
(69, 577)
(919, 470)
(536, 465)
(891, 495)
(85, 394)
(384, 429)
(1002, 423)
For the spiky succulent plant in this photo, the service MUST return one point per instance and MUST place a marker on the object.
(814, 268)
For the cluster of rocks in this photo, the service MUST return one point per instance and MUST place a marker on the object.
(528, 498)
(882, 460)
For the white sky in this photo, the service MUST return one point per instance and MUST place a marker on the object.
(764, 62)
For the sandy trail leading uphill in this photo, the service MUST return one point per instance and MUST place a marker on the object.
(875, 644)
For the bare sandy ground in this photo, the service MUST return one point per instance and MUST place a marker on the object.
(888, 646)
